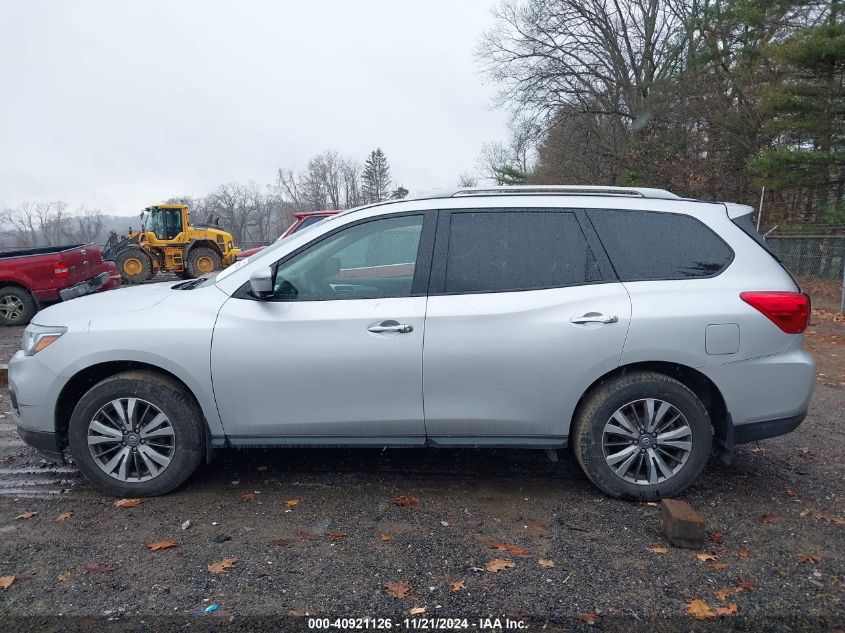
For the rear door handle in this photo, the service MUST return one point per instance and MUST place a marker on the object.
(594, 317)
(391, 326)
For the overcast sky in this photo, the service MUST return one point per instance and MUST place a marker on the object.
(122, 104)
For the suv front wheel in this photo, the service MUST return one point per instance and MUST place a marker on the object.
(642, 436)
(137, 434)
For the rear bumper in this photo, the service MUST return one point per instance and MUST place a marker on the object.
(753, 431)
(86, 287)
(45, 442)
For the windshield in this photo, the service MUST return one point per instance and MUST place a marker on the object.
(272, 247)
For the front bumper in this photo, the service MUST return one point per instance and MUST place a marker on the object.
(45, 442)
(86, 287)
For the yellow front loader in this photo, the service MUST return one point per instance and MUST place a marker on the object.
(167, 241)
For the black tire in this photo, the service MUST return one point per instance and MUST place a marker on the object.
(171, 399)
(17, 306)
(605, 400)
(135, 265)
(202, 261)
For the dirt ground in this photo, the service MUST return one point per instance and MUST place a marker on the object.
(319, 532)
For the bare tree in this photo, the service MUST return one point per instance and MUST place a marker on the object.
(21, 224)
(467, 179)
(89, 225)
(605, 57)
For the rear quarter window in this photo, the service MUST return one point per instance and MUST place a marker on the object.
(652, 245)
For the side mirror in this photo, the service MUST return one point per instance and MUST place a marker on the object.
(261, 282)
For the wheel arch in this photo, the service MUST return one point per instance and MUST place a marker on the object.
(697, 382)
(76, 387)
(202, 242)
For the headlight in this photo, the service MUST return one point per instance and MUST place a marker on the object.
(37, 337)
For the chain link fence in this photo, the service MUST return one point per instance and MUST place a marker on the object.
(818, 261)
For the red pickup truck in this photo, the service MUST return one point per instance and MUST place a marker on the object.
(300, 221)
(35, 277)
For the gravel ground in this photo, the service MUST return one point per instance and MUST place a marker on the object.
(766, 513)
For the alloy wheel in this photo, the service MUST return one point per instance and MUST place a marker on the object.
(131, 440)
(11, 307)
(647, 441)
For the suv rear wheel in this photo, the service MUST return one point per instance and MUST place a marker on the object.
(137, 434)
(642, 436)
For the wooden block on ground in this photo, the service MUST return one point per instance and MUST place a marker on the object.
(682, 526)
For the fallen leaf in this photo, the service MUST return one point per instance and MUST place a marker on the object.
(499, 564)
(540, 527)
(281, 542)
(658, 550)
(767, 518)
(6, 581)
(64, 516)
(746, 585)
(790, 491)
(808, 558)
(405, 502)
(719, 565)
(457, 585)
(506, 547)
(384, 537)
(731, 609)
(303, 535)
(723, 593)
(743, 553)
(824, 517)
(589, 617)
(717, 537)
(336, 534)
(700, 610)
(248, 496)
(297, 613)
(398, 589)
(26, 515)
(98, 568)
(128, 503)
(417, 611)
(64, 576)
(705, 556)
(165, 544)
(546, 563)
(291, 503)
(221, 566)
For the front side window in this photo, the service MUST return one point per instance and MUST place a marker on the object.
(493, 251)
(375, 259)
(651, 245)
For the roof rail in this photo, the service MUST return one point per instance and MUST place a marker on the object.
(566, 190)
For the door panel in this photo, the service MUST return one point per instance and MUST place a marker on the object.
(334, 353)
(312, 368)
(512, 364)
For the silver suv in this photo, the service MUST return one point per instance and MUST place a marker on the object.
(644, 330)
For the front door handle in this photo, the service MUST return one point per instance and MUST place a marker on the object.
(391, 326)
(594, 317)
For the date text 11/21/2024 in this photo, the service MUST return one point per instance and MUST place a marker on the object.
(417, 623)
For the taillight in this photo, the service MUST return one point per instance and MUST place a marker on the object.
(60, 269)
(790, 311)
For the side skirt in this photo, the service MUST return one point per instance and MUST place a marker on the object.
(339, 441)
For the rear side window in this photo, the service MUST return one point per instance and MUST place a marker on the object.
(647, 245)
(497, 251)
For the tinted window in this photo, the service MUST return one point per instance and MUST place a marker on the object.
(516, 250)
(371, 260)
(646, 245)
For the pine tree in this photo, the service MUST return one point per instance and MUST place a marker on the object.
(807, 115)
(375, 180)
